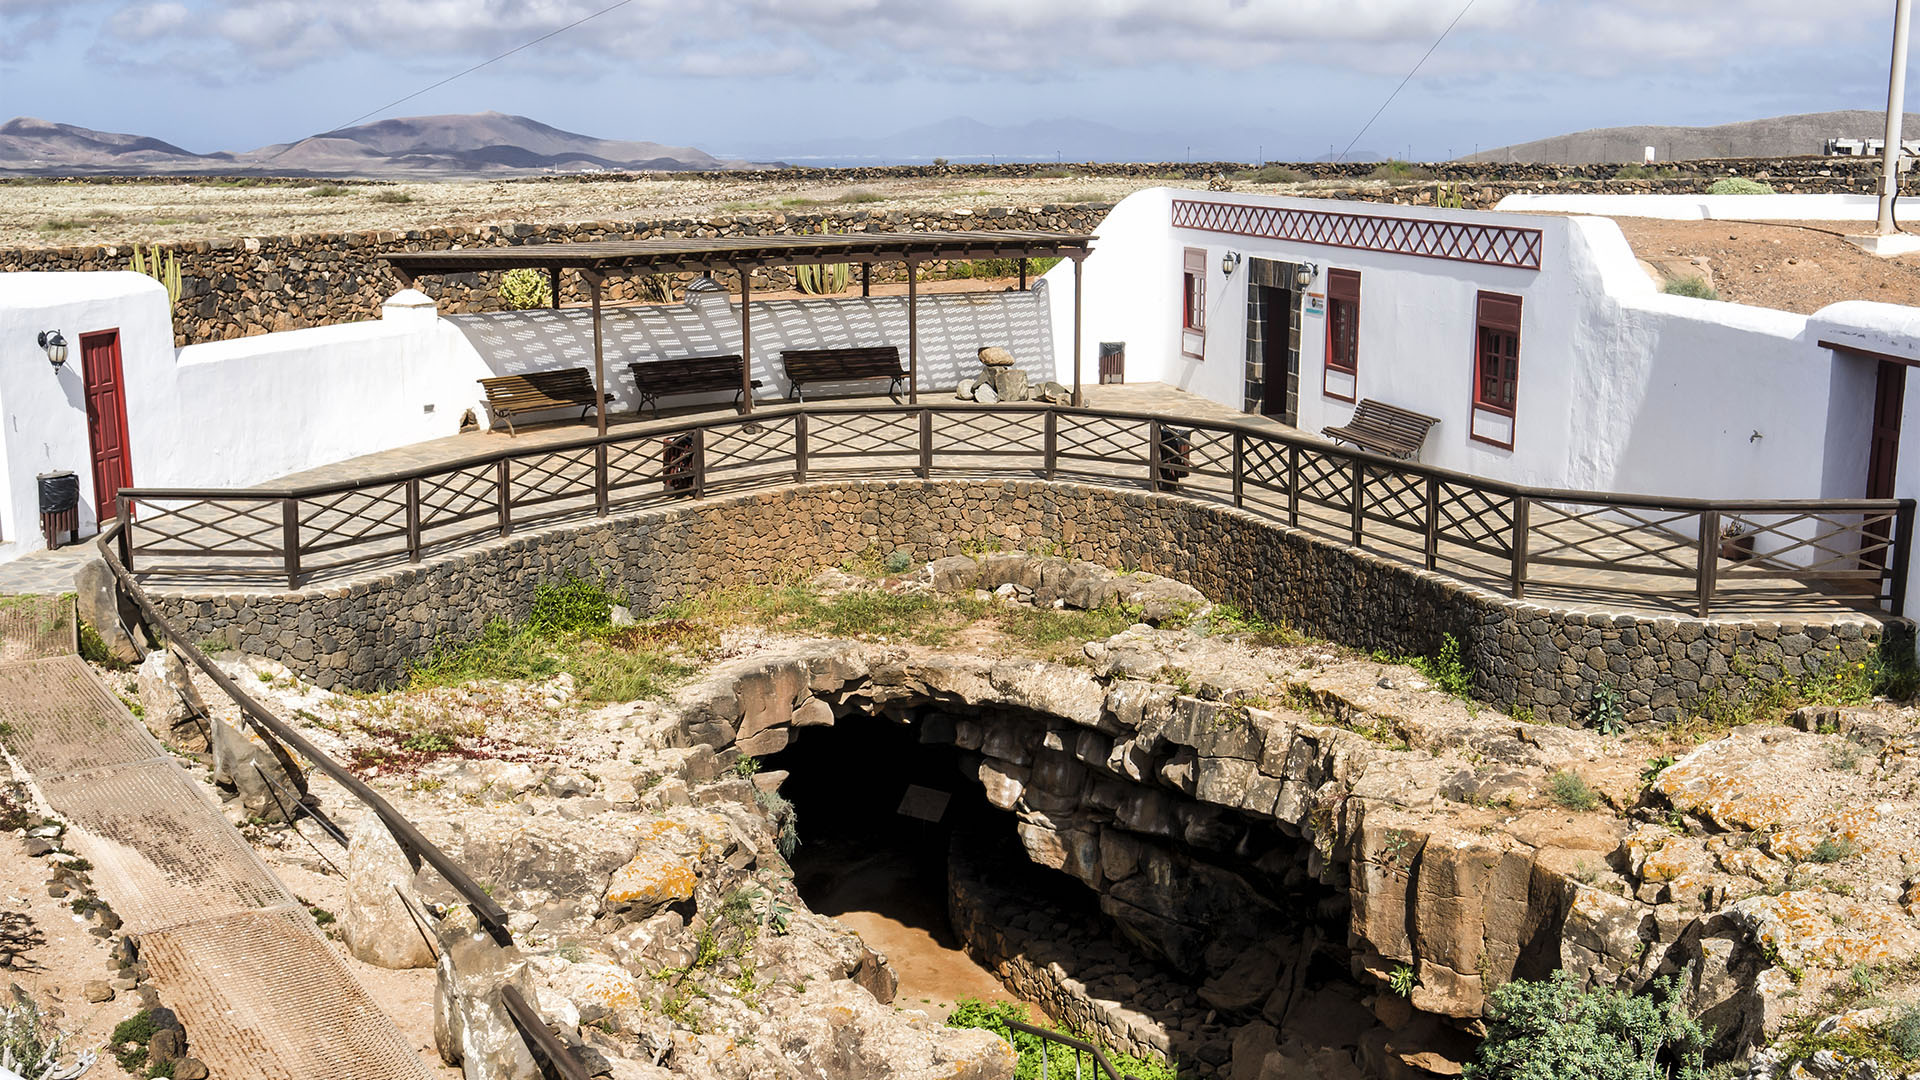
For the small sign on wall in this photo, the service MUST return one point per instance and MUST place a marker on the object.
(1316, 303)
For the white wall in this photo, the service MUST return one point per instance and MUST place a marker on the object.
(953, 326)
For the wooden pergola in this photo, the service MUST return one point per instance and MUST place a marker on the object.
(596, 261)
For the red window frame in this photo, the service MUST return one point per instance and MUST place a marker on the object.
(1343, 332)
(1193, 298)
(1496, 359)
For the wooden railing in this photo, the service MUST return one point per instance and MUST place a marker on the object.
(1571, 545)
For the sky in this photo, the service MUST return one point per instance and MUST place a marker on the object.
(1279, 79)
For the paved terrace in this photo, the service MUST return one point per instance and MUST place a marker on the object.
(1581, 552)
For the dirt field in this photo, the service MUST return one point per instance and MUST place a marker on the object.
(1797, 266)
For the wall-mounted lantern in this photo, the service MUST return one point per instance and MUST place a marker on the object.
(1304, 274)
(1229, 262)
(56, 347)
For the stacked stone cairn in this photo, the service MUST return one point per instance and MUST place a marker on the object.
(1001, 379)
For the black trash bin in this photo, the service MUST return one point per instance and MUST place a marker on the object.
(59, 506)
(1176, 454)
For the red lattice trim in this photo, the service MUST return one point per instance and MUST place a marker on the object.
(1493, 245)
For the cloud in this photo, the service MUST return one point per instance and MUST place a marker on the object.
(143, 22)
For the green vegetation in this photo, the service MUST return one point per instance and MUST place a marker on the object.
(968, 269)
(525, 289)
(1831, 849)
(328, 191)
(1035, 1055)
(1270, 174)
(1396, 170)
(1444, 669)
(1646, 172)
(822, 279)
(1450, 197)
(391, 196)
(1570, 792)
(1692, 285)
(1889, 672)
(1738, 185)
(29, 1043)
(1228, 619)
(1401, 980)
(129, 1040)
(150, 265)
(1607, 710)
(745, 766)
(1893, 1044)
(93, 649)
(1553, 1030)
(786, 822)
(855, 197)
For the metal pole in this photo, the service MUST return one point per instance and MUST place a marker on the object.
(1896, 104)
(746, 339)
(1078, 266)
(599, 355)
(913, 333)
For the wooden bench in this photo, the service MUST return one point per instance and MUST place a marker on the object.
(688, 375)
(1384, 429)
(843, 365)
(539, 390)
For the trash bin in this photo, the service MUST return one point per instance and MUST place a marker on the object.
(676, 464)
(59, 506)
(1176, 454)
(1113, 362)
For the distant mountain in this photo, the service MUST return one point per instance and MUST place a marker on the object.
(426, 147)
(1781, 136)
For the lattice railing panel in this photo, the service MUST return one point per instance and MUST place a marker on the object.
(1474, 518)
(1116, 441)
(1209, 453)
(351, 517)
(1393, 496)
(975, 431)
(763, 444)
(1459, 241)
(1266, 466)
(458, 495)
(546, 477)
(238, 527)
(1325, 479)
(1810, 544)
(856, 434)
(1615, 538)
(635, 462)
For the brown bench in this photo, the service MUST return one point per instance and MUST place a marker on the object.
(843, 365)
(688, 375)
(1384, 429)
(539, 390)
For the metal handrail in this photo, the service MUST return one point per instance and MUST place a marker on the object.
(1078, 1046)
(416, 846)
(1343, 472)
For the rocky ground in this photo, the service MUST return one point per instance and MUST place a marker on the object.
(1799, 266)
(1770, 869)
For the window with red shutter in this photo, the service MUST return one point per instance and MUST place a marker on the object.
(1496, 368)
(1193, 302)
(1343, 334)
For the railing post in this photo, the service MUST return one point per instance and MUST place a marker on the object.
(1153, 454)
(1902, 551)
(1522, 512)
(1051, 443)
(1239, 468)
(600, 479)
(125, 512)
(1293, 485)
(699, 463)
(1707, 566)
(503, 490)
(413, 519)
(800, 448)
(1358, 496)
(926, 444)
(1433, 523)
(290, 539)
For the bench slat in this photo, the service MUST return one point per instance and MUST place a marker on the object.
(687, 375)
(842, 365)
(535, 391)
(1383, 428)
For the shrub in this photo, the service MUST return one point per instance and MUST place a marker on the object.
(1607, 710)
(327, 191)
(1553, 1030)
(389, 195)
(1831, 850)
(1737, 185)
(1401, 980)
(1444, 669)
(1395, 169)
(1270, 174)
(525, 289)
(1571, 792)
(1031, 1051)
(1691, 285)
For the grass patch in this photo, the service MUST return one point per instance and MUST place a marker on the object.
(1270, 174)
(388, 195)
(1831, 850)
(855, 197)
(1035, 1056)
(1399, 171)
(1444, 669)
(327, 191)
(1692, 285)
(1889, 672)
(1738, 185)
(1569, 792)
(965, 269)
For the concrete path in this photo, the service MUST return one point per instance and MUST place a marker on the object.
(261, 993)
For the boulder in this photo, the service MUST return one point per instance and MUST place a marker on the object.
(985, 394)
(965, 390)
(1009, 383)
(993, 356)
(955, 573)
(1054, 393)
(102, 607)
(471, 1026)
(170, 706)
(264, 777)
(378, 926)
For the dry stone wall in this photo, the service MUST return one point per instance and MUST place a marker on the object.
(1521, 654)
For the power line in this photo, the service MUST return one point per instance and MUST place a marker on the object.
(1403, 82)
(484, 63)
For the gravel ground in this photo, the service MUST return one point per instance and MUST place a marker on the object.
(1799, 266)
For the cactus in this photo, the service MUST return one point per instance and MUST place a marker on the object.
(824, 278)
(1449, 196)
(167, 275)
(525, 289)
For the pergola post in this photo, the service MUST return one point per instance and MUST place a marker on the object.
(1078, 264)
(913, 332)
(746, 337)
(553, 286)
(1023, 274)
(866, 279)
(599, 354)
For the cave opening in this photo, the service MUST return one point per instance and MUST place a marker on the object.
(987, 856)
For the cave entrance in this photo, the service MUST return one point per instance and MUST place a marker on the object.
(878, 812)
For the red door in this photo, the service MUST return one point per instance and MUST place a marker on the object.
(106, 419)
(1884, 453)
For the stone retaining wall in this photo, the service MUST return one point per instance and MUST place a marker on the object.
(1521, 654)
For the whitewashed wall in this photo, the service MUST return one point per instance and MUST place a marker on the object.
(953, 327)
